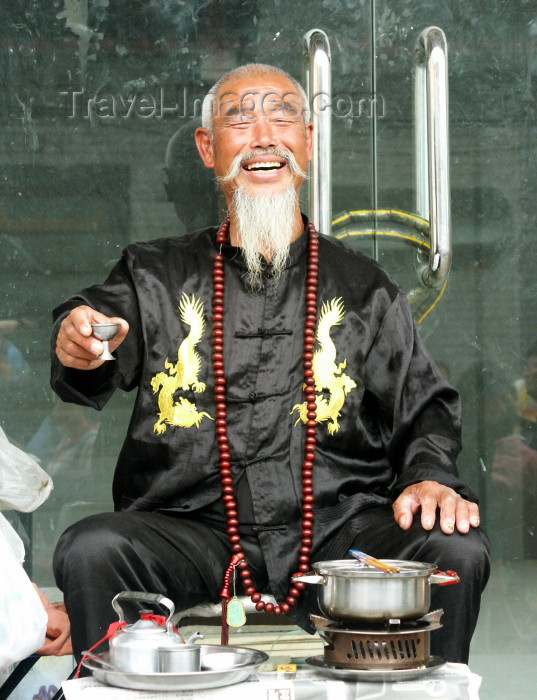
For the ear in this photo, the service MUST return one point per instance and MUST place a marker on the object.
(204, 143)
(309, 140)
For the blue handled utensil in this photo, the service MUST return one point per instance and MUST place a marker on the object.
(367, 559)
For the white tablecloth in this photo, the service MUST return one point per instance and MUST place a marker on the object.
(450, 682)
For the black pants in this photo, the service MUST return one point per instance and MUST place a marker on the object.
(185, 559)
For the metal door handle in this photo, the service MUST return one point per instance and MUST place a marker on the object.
(318, 83)
(431, 120)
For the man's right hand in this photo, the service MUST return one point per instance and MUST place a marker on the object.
(75, 345)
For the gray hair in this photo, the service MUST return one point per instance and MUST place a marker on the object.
(249, 70)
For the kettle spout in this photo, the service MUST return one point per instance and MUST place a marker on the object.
(193, 637)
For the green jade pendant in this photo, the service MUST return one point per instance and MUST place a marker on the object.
(235, 616)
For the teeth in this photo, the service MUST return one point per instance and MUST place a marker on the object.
(263, 166)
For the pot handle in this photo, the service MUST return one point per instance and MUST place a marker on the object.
(444, 578)
(310, 577)
(143, 597)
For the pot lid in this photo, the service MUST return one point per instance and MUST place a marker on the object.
(351, 568)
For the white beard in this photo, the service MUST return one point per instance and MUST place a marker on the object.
(265, 225)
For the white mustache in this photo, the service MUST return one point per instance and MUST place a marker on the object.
(235, 167)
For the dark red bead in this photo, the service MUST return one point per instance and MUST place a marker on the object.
(255, 597)
(294, 591)
(277, 610)
(285, 608)
(237, 548)
(260, 605)
(250, 591)
(304, 568)
(291, 600)
(269, 607)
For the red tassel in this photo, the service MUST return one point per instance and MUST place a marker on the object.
(224, 636)
(224, 596)
(112, 628)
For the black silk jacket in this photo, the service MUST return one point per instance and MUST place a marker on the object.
(386, 416)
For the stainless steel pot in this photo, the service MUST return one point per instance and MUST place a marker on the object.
(351, 590)
(149, 646)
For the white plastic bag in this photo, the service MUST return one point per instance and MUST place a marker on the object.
(23, 620)
(23, 484)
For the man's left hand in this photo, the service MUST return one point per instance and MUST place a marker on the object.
(429, 496)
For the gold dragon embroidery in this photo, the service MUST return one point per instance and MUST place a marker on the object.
(183, 375)
(328, 375)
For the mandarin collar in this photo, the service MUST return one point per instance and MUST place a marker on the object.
(296, 250)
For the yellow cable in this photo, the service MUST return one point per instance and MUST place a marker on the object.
(435, 302)
(392, 234)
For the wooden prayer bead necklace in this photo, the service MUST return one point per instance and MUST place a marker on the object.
(228, 497)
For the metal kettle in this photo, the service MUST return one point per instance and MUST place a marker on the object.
(151, 645)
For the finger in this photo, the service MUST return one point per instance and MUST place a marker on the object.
(473, 510)
(429, 507)
(462, 516)
(404, 509)
(74, 341)
(467, 515)
(71, 354)
(121, 334)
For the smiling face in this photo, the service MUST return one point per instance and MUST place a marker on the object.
(258, 125)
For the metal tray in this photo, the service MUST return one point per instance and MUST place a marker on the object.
(380, 674)
(220, 666)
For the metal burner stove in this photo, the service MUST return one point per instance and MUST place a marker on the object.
(393, 644)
